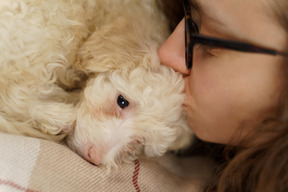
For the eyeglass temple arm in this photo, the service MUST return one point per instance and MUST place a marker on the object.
(234, 45)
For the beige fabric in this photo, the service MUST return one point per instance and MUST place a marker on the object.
(29, 164)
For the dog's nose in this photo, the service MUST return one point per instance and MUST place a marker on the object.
(94, 156)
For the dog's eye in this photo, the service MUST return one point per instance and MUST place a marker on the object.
(122, 102)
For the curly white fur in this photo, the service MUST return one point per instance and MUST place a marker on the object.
(51, 49)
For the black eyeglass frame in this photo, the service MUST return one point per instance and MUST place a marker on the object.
(193, 37)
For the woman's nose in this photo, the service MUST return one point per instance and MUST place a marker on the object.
(172, 52)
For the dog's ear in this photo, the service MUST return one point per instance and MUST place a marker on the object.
(94, 55)
(120, 44)
(108, 48)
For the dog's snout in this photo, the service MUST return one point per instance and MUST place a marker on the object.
(94, 156)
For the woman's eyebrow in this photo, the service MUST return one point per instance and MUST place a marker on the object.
(196, 5)
(202, 10)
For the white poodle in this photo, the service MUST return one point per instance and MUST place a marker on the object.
(88, 71)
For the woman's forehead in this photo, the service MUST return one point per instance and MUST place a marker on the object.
(231, 17)
(231, 7)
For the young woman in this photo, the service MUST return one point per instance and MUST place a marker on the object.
(234, 59)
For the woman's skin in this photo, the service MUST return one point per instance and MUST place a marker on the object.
(229, 92)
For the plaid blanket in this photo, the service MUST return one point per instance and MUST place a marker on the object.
(30, 164)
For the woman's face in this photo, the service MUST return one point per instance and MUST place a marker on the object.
(229, 92)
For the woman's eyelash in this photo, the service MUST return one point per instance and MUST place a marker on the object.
(207, 49)
(204, 48)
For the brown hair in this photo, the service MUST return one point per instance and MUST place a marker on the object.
(260, 167)
(174, 11)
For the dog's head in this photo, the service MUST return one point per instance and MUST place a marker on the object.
(131, 104)
(124, 115)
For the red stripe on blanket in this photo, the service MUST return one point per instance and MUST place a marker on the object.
(16, 186)
(135, 175)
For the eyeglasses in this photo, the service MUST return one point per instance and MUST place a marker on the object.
(193, 37)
